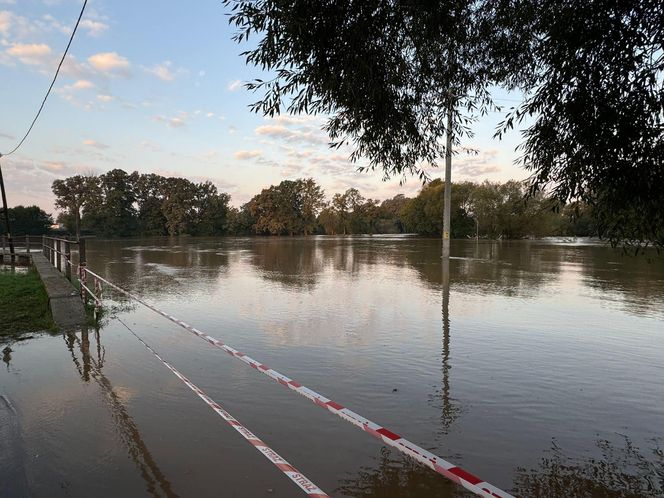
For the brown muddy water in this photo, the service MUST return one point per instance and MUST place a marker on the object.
(539, 367)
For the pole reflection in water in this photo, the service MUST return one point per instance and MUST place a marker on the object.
(450, 412)
(157, 484)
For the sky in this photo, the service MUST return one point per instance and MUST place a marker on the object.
(157, 87)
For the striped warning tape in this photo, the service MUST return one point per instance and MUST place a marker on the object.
(291, 472)
(419, 454)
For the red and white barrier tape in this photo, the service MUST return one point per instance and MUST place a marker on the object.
(419, 454)
(291, 472)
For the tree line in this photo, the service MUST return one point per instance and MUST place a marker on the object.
(121, 204)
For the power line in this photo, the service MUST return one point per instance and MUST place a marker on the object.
(71, 38)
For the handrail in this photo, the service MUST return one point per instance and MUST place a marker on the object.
(71, 241)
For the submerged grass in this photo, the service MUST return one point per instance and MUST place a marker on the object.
(23, 303)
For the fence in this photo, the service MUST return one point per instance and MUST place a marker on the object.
(59, 252)
(19, 247)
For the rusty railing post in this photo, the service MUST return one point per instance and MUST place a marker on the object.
(82, 264)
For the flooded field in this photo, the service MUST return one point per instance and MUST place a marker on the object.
(538, 366)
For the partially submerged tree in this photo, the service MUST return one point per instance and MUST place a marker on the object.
(71, 194)
(386, 71)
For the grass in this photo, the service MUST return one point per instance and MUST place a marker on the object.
(23, 303)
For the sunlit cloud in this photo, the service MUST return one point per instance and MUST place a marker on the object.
(109, 63)
(30, 53)
(247, 154)
(164, 71)
(93, 28)
(104, 98)
(95, 144)
(80, 85)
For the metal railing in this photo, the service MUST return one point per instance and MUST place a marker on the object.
(18, 247)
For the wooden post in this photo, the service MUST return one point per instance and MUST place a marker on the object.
(68, 260)
(52, 255)
(27, 244)
(44, 245)
(58, 254)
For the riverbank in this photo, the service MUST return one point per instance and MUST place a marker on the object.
(23, 303)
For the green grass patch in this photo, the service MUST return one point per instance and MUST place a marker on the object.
(23, 303)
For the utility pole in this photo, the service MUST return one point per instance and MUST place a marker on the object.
(447, 204)
(6, 212)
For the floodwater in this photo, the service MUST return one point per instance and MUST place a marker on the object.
(536, 365)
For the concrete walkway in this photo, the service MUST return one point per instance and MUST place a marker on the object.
(64, 300)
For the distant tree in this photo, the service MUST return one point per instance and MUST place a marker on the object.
(30, 220)
(240, 221)
(340, 208)
(149, 190)
(210, 210)
(116, 214)
(71, 195)
(289, 208)
(178, 204)
(329, 220)
(391, 211)
(313, 200)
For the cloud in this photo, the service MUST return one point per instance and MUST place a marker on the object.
(174, 122)
(234, 85)
(477, 164)
(109, 62)
(30, 53)
(248, 154)
(93, 28)
(164, 71)
(81, 85)
(104, 98)
(95, 144)
(5, 21)
(308, 134)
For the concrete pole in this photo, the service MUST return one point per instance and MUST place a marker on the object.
(447, 207)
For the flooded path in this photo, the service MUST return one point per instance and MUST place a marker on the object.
(538, 367)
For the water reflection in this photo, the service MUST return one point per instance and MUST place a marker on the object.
(88, 367)
(450, 410)
(506, 268)
(158, 265)
(292, 263)
(396, 476)
(623, 470)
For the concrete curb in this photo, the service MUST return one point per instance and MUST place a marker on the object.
(64, 300)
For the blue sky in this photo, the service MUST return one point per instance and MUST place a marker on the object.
(156, 86)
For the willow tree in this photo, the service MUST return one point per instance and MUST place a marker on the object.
(385, 73)
(393, 78)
